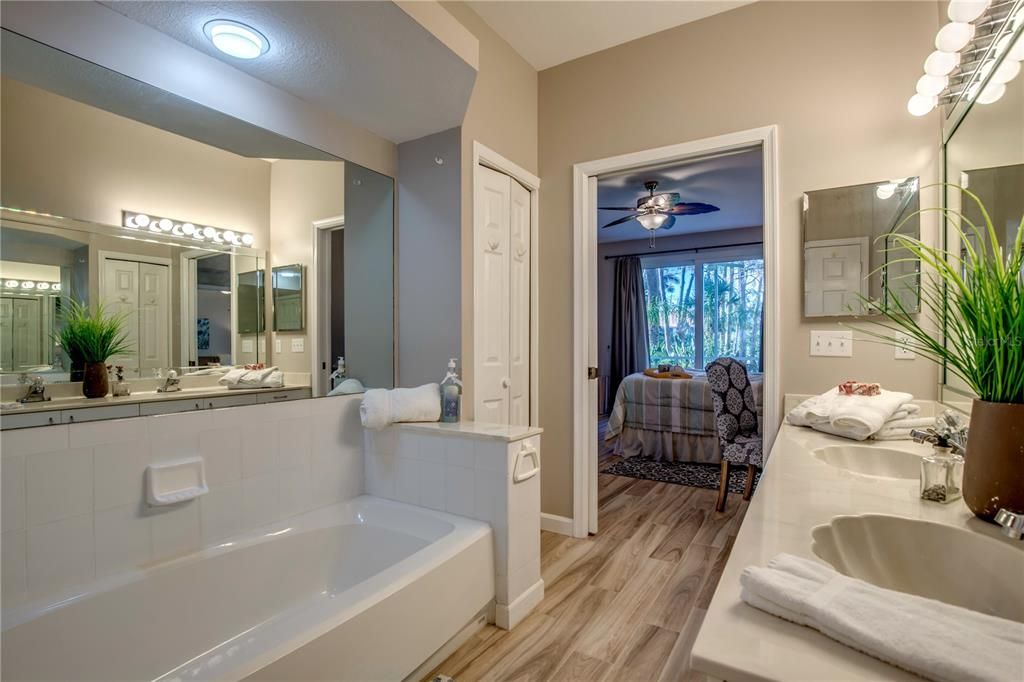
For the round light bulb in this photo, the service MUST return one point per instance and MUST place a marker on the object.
(142, 220)
(165, 224)
(1006, 72)
(1016, 52)
(966, 10)
(941, 63)
(931, 86)
(129, 221)
(235, 39)
(247, 239)
(43, 285)
(919, 105)
(209, 232)
(28, 285)
(991, 93)
(229, 236)
(954, 36)
(11, 283)
(56, 286)
(189, 229)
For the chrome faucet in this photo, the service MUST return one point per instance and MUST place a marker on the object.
(949, 431)
(1012, 524)
(36, 390)
(171, 383)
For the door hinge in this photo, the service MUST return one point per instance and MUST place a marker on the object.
(591, 372)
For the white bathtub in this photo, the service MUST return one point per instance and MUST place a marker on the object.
(363, 590)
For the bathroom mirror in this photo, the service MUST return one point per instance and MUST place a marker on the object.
(288, 285)
(984, 154)
(848, 253)
(179, 216)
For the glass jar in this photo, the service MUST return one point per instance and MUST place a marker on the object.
(942, 475)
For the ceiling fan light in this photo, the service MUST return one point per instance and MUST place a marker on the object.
(652, 221)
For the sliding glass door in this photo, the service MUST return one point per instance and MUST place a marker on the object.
(701, 307)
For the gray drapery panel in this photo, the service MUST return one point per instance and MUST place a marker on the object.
(629, 323)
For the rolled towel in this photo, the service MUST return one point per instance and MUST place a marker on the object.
(927, 637)
(859, 416)
(382, 407)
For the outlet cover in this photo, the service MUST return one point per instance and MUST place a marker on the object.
(903, 352)
(277, 345)
(832, 344)
(299, 344)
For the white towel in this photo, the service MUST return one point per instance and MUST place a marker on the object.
(861, 415)
(899, 429)
(381, 407)
(932, 639)
(268, 377)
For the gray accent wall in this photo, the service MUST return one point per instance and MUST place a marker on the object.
(429, 256)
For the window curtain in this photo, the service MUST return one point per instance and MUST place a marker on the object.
(629, 324)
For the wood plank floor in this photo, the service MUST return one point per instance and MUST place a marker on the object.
(625, 604)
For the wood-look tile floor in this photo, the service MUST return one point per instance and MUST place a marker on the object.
(625, 604)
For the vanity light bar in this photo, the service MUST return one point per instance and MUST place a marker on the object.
(133, 220)
(967, 49)
(30, 285)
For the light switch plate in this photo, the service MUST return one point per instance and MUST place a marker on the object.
(299, 344)
(903, 352)
(832, 344)
(277, 345)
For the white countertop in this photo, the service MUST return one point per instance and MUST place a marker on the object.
(796, 493)
(470, 429)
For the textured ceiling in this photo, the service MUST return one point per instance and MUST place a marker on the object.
(549, 33)
(367, 62)
(732, 182)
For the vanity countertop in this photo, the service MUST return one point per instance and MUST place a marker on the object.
(796, 493)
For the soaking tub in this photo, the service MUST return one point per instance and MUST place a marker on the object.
(363, 590)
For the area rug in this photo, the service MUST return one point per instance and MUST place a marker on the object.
(681, 473)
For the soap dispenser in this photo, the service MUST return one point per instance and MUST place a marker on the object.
(451, 395)
(942, 472)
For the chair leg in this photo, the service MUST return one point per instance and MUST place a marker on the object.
(751, 472)
(723, 486)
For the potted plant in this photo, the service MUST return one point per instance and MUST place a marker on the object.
(980, 295)
(91, 337)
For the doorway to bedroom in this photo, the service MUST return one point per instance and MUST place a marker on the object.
(681, 301)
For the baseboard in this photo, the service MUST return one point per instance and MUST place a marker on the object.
(507, 617)
(556, 524)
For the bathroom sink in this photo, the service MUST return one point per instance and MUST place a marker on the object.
(871, 461)
(933, 560)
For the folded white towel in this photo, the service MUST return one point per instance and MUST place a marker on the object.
(268, 377)
(932, 639)
(899, 429)
(861, 415)
(814, 410)
(381, 407)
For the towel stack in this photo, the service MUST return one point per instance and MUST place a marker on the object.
(935, 640)
(243, 377)
(887, 415)
(382, 407)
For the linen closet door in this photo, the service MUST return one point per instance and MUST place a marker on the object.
(491, 296)
(120, 296)
(519, 306)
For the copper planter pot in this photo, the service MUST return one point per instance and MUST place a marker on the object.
(994, 465)
(95, 380)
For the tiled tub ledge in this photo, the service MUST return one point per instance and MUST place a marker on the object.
(487, 472)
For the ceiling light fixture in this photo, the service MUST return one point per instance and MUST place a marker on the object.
(135, 221)
(652, 221)
(236, 39)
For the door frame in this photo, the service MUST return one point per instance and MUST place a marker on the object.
(584, 427)
(319, 279)
(485, 156)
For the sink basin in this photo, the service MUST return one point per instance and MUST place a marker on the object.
(933, 560)
(872, 461)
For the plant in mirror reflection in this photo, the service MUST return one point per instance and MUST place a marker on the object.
(978, 292)
(88, 335)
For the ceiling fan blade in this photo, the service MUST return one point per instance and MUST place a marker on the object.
(667, 225)
(616, 208)
(695, 208)
(620, 220)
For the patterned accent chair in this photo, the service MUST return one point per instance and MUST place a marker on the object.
(735, 421)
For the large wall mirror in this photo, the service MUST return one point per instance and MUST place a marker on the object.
(851, 264)
(984, 154)
(199, 227)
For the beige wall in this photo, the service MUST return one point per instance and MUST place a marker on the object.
(300, 192)
(502, 115)
(835, 78)
(63, 157)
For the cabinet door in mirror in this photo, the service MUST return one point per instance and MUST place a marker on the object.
(852, 264)
(289, 298)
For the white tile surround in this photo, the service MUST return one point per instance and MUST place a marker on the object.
(467, 469)
(73, 506)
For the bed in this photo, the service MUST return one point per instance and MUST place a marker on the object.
(669, 419)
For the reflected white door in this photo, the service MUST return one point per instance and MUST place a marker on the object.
(154, 317)
(491, 296)
(120, 296)
(834, 273)
(519, 305)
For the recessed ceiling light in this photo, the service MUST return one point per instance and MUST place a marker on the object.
(235, 39)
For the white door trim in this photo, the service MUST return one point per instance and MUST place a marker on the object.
(585, 291)
(485, 156)
(319, 335)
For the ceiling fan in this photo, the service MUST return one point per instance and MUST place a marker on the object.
(658, 211)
